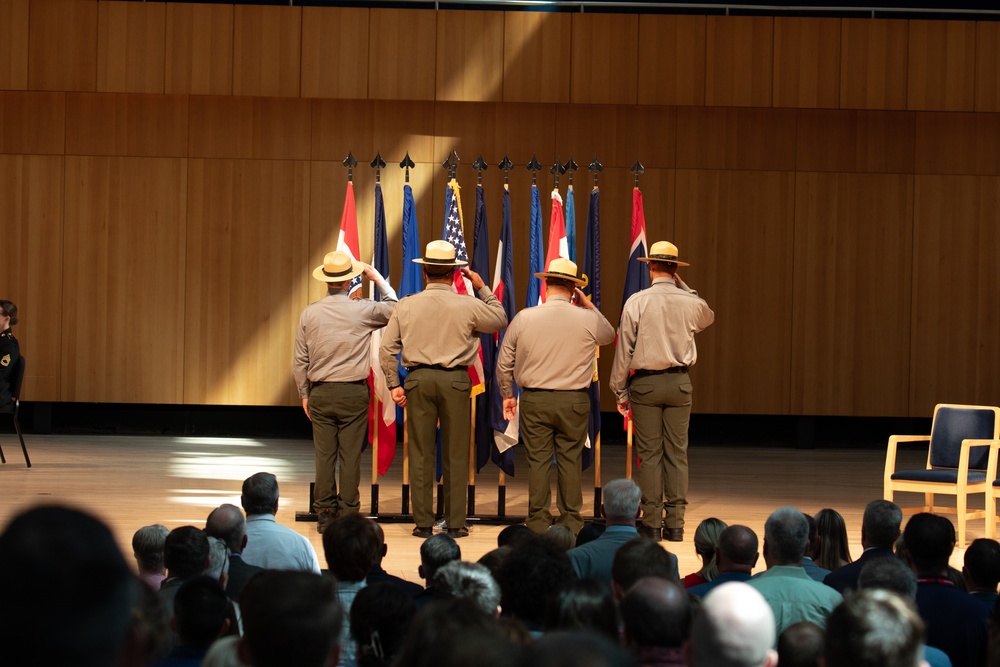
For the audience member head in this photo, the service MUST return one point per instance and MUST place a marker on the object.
(513, 534)
(380, 618)
(621, 502)
(874, 628)
(889, 574)
(218, 561)
(186, 552)
(149, 627)
(576, 649)
(260, 494)
(492, 560)
(436, 551)
(584, 605)
(589, 533)
(832, 551)
(530, 577)
(880, 525)
(456, 633)
(737, 550)
(8, 309)
(734, 628)
(290, 618)
(226, 522)
(982, 565)
(471, 581)
(929, 540)
(637, 559)
(60, 561)
(381, 548)
(800, 645)
(561, 535)
(201, 612)
(147, 547)
(706, 538)
(656, 612)
(350, 546)
(786, 535)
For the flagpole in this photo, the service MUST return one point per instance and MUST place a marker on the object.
(406, 467)
(472, 459)
(628, 448)
(377, 163)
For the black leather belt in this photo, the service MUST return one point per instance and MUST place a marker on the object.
(364, 381)
(526, 389)
(643, 372)
(437, 367)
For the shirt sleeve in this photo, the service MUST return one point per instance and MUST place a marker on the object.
(618, 383)
(300, 361)
(505, 360)
(491, 316)
(391, 346)
(605, 332)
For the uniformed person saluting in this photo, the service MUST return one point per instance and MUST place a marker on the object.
(549, 351)
(331, 366)
(437, 331)
(656, 341)
(10, 350)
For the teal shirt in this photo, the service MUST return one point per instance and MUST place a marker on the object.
(794, 596)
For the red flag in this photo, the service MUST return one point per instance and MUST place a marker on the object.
(558, 247)
(454, 233)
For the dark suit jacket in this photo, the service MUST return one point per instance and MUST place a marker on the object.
(845, 579)
(377, 575)
(239, 574)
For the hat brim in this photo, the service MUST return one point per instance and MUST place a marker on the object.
(357, 268)
(437, 262)
(661, 258)
(579, 282)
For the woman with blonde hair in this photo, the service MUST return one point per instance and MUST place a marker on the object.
(706, 538)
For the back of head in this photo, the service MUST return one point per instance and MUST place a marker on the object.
(226, 522)
(492, 560)
(513, 534)
(218, 559)
(738, 545)
(586, 606)
(800, 645)
(260, 493)
(656, 612)
(470, 581)
(576, 649)
(290, 618)
(881, 523)
(531, 575)
(58, 560)
(706, 538)
(621, 501)
(562, 535)
(147, 546)
(889, 574)
(456, 633)
(436, 551)
(735, 628)
(929, 540)
(200, 609)
(186, 552)
(350, 544)
(380, 618)
(832, 532)
(982, 564)
(786, 532)
(641, 558)
(874, 628)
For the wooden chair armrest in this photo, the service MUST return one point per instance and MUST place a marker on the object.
(991, 464)
(890, 454)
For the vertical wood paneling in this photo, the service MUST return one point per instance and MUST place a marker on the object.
(335, 52)
(855, 141)
(713, 138)
(648, 133)
(987, 66)
(267, 50)
(120, 124)
(806, 62)
(131, 47)
(33, 123)
(247, 272)
(738, 60)
(469, 52)
(282, 128)
(586, 131)
(220, 127)
(62, 45)
(987, 380)
(401, 62)
(535, 62)
(851, 300)
(469, 129)
(941, 66)
(339, 127)
(521, 140)
(672, 60)
(199, 49)
(124, 248)
(14, 44)
(31, 190)
(873, 61)
(957, 143)
(605, 62)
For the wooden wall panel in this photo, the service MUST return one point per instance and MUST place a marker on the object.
(469, 54)
(957, 143)
(987, 66)
(221, 127)
(13, 44)
(806, 62)
(131, 47)
(33, 123)
(247, 273)
(401, 64)
(31, 189)
(267, 50)
(282, 128)
(648, 133)
(62, 45)
(714, 138)
(873, 61)
(604, 63)
(123, 124)
(728, 219)
(941, 66)
(468, 128)
(586, 131)
(519, 139)
(671, 59)
(855, 141)
(738, 58)
(343, 126)
(335, 52)
(535, 62)
(199, 49)
(987, 380)
(851, 297)
(124, 247)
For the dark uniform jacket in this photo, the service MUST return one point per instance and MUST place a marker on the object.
(10, 352)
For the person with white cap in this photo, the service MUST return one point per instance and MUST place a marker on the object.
(656, 344)
(549, 351)
(437, 331)
(331, 366)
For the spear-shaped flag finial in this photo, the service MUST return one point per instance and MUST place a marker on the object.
(570, 166)
(350, 162)
(506, 165)
(377, 164)
(637, 169)
(556, 170)
(534, 167)
(480, 166)
(451, 163)
(407, 164)
(595, 168)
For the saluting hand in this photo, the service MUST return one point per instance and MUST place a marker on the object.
(399, 396)
(509, 408)
(581, 300)
(477, 282)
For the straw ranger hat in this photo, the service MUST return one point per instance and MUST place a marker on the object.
(338, 267)
(439, 253)
(563, 269)
(663, 251)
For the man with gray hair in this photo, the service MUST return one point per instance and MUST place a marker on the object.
(471, 581)
(226, 523)
(874, 628)
(269, 544)
(147, 547)
(735, 628)
(792, 594)
(879, 531)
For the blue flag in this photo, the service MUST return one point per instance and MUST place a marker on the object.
(570, 214)
(505, 433)
(413, 280)
(386, 419)
(481, 265)
(536, 257)
(592, 268)
(636, 275)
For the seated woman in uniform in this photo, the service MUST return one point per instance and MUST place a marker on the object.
(10, 351)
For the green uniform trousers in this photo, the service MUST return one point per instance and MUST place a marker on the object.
(661, 411)
(437, 395)
(339, 412)
(554, 423)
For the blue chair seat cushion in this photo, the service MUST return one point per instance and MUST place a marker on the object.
(938, 475)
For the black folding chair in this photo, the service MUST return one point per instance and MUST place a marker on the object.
(12, 408)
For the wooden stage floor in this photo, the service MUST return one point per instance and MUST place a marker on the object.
(134, 481)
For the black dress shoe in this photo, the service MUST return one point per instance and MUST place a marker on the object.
(423, 531)
(673, 534)
(648, 533)
(456, 533)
